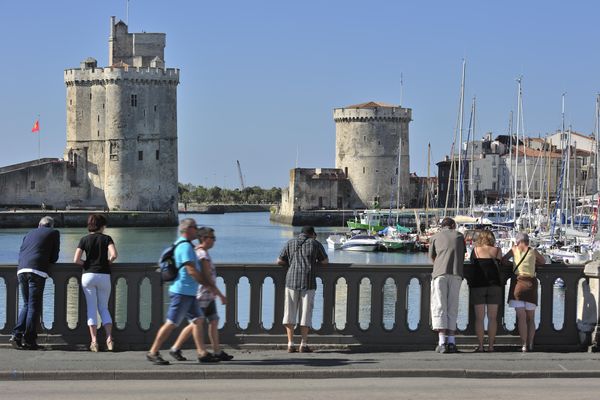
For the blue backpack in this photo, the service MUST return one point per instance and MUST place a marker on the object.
(166, 263)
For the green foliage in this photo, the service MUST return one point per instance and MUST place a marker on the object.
(189, 193)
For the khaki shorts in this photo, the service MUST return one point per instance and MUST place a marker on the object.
(295, 299)
(486, 295)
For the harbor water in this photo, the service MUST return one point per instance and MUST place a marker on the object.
(243, 238)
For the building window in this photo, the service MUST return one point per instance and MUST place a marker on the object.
(476, 171)
(32, 185)
(364, 139)
(103, 106)
(98, 132)
(70, 102)
(364, 169)
(346, 171)
(493, 185)
(155, 108)
(320, 202)
(114, 151)
(379, 142)
(494, 171)
(396, 170)
(98, 117)
(157, 154)
(90, 96)
(134, 100)
(140, 155)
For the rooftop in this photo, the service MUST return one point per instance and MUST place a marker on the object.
(373, 104)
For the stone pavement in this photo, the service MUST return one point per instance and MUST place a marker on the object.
(273, 364)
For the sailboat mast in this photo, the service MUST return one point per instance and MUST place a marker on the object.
(460, 128)
(516, 174)
(427, 186)
(471, 186)
(510, 143)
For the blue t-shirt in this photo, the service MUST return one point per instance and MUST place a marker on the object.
(184, 283)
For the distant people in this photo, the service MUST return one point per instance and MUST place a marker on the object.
(523, 293)
(182, 292)
(39, 249)
(207, 294)
(486, 286)
(447, 251)
(100, 253)
(301, 255)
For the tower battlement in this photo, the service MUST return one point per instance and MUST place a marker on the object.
(376, 113)
(141, 75)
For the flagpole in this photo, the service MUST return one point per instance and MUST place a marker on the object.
(39, 134)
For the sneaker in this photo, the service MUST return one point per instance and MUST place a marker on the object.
(441, 348)
(222, 356)
(305, 349)
(156, 359)
(208, 358)
(110, 345)
(451, 348)
(94, 347)
(291, 349)
(176, 354)
(16, 342)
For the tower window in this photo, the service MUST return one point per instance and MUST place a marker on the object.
(103, 106)
(98, 132)
(155, 108)
(140, 155)
(134, 100)
(32, 185)
(364, 170)
(157, 154)
(70, 102)
(364, 139)
(98, 117)
(90, 96)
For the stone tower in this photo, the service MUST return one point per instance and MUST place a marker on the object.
(122, 124)
(367, 138)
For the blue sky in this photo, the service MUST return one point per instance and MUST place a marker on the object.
(260, 79)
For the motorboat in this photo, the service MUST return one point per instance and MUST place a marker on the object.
(361, 243)
(336, 241)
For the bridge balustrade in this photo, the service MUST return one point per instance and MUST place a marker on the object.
(368, 305)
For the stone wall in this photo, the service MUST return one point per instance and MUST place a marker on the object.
(51, 183)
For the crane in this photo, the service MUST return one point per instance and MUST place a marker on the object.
(240, 173)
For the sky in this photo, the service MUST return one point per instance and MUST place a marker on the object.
(260, 79)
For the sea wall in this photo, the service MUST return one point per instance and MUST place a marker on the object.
(73, 219)
(223, 208)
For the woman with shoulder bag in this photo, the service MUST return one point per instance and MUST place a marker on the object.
(523, 292)
(485, 286)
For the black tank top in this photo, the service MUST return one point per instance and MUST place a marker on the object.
(485, 272)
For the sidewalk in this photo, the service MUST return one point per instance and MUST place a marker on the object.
(272, 364)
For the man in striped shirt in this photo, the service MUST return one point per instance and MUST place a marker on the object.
(301, 255)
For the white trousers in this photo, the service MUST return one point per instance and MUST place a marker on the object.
(444, 301)
(295, 298)
(96, 288)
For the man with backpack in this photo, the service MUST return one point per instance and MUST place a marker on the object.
(182, 292)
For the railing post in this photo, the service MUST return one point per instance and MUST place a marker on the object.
(590, 317)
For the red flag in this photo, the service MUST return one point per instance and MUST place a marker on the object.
(36, 126)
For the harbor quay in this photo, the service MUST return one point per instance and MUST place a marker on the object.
(351, 337)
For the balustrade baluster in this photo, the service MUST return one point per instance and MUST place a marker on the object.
(376, 326)
(255, 280)
(329, 280)
(353, 282)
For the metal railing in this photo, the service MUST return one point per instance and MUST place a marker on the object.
(364, 315)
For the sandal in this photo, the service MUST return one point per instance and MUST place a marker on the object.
(110, 345)
(94, 347)
(479, 350)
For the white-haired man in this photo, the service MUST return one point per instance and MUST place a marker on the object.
(39, 249)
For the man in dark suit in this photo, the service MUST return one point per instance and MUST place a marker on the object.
(39, 249)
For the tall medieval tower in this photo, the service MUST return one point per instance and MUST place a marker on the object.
(372, 149)
(122, 124)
